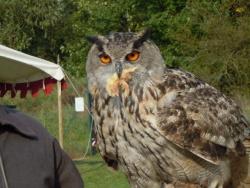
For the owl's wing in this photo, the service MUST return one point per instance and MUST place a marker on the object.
(197, 117)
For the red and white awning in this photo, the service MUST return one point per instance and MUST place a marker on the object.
(22, 72)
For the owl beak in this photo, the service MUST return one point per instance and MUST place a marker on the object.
(118, 68)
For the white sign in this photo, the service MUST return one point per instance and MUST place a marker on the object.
(79, 104)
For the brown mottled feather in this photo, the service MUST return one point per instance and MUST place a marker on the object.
(198, 119)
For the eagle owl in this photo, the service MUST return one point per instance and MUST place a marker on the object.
(164, 127)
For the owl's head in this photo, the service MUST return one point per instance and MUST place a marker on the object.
(122, 59)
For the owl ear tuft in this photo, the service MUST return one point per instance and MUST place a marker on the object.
(98, 40)
(92, 39)
(95, 40)
(142, 38)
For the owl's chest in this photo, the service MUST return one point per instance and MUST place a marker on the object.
(120, 112)
(124, 123)
(128, 133)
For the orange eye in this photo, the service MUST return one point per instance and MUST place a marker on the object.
(134, 55)
(105, 58)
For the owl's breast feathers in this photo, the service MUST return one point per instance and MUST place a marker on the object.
(114, 84)
(198, 118)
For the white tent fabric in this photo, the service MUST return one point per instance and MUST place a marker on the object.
(18, 67)
(22, 72)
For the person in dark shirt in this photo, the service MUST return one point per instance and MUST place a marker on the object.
(30, 157)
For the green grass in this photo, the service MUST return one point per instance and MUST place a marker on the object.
(96, 174)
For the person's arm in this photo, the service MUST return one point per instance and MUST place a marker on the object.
(66, 173)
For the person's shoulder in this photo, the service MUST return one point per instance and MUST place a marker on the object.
(22, 123)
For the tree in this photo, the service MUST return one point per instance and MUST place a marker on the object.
(209, 38)
(212, 40)
(103, 17)
(32, 26)
(93, 18)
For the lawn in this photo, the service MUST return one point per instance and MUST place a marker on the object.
(95, 174)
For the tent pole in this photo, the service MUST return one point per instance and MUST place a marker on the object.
(59, 96)
(60, 113)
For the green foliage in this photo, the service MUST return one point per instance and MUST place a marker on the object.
(213, 42)
(209, 38)
(92, 18)
(32, 26)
